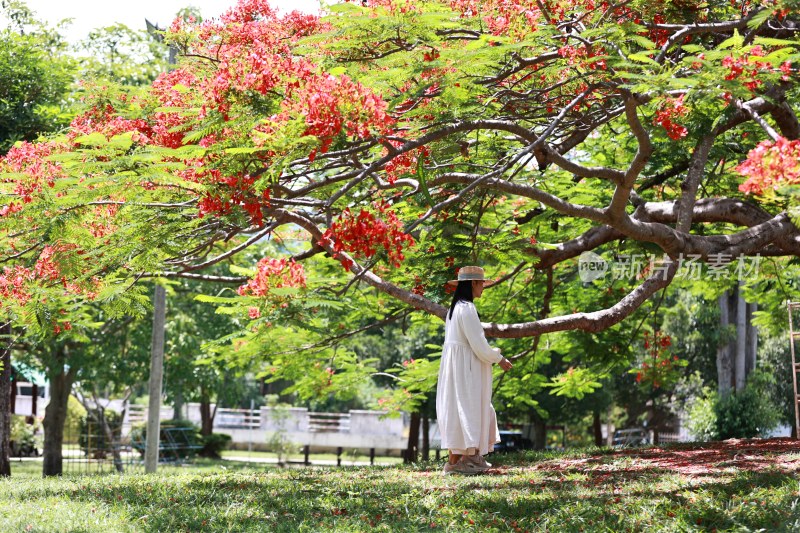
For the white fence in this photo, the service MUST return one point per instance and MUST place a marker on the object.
(356, 429)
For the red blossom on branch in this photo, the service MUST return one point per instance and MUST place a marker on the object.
(669, 111)
(274, 273)
(365, 233)
(770, 165)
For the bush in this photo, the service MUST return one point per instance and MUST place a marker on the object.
(23, 441)
(749, 413)
(214, 444)
(91, 435)
(702, 423)
(72, 425)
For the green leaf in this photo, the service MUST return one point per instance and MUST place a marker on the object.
(759, 18)
(93, 139)
(423, 181)
(643, 57)
(733, 42)
(207, 298)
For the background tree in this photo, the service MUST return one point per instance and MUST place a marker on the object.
(35, 77)
(123, 55)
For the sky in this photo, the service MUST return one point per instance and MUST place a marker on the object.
(91, 14)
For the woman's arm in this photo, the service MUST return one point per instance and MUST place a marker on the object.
(473, 331)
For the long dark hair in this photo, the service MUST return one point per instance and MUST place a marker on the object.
(463, 292)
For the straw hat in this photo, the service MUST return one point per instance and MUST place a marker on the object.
(471, 273)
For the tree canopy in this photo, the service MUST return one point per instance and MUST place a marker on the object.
(404, 139)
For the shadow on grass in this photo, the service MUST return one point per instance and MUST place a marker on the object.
(419, 498)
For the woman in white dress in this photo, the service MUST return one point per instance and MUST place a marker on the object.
(464, 412)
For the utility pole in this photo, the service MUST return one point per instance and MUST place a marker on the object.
(156, 376)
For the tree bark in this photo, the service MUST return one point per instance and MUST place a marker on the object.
(206, 417)
(55, 414)
(412, 451)
(426, 437)
(597, 429)
(177, 406)
(752, 340)
(741, 338)
(724, 366)
(539, 427)
(34, 400)
(5, 400)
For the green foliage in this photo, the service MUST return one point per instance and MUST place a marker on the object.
(123, 55)
(574, 383)
(702, 418)
(76, 413)
(35, 80)
(748, 413)
(24, 437)
(214, 444)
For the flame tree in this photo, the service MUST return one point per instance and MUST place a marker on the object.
(403, 139)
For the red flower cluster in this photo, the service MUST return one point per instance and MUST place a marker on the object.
(364, 233)
(660, 368)
(749, 67)
(405, 163)
(770, 165)
(333, 105)
(29, 162)
(503, 17)
(393, 6)
(13, 284)
(670, 110)
(18, 282)
(273, 274)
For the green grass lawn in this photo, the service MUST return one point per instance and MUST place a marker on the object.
(739, 486)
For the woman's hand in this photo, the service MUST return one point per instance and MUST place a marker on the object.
(505, 364)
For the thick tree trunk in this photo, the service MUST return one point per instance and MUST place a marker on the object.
(55, 414)
(741, 338)
(34, 400)
(752, 341)
(206, 417)
(426, 438)
(177, 406)
(597, 429)
(724, 362)
(412, 451)
(539, 432)
(5, 398)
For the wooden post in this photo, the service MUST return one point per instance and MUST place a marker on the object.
(339, 456)
(5, 400)
(306, 451)
(156, 376)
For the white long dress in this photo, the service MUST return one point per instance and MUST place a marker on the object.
(464, 412)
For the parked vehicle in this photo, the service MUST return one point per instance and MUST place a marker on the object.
(512, 441)
(625, 438)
